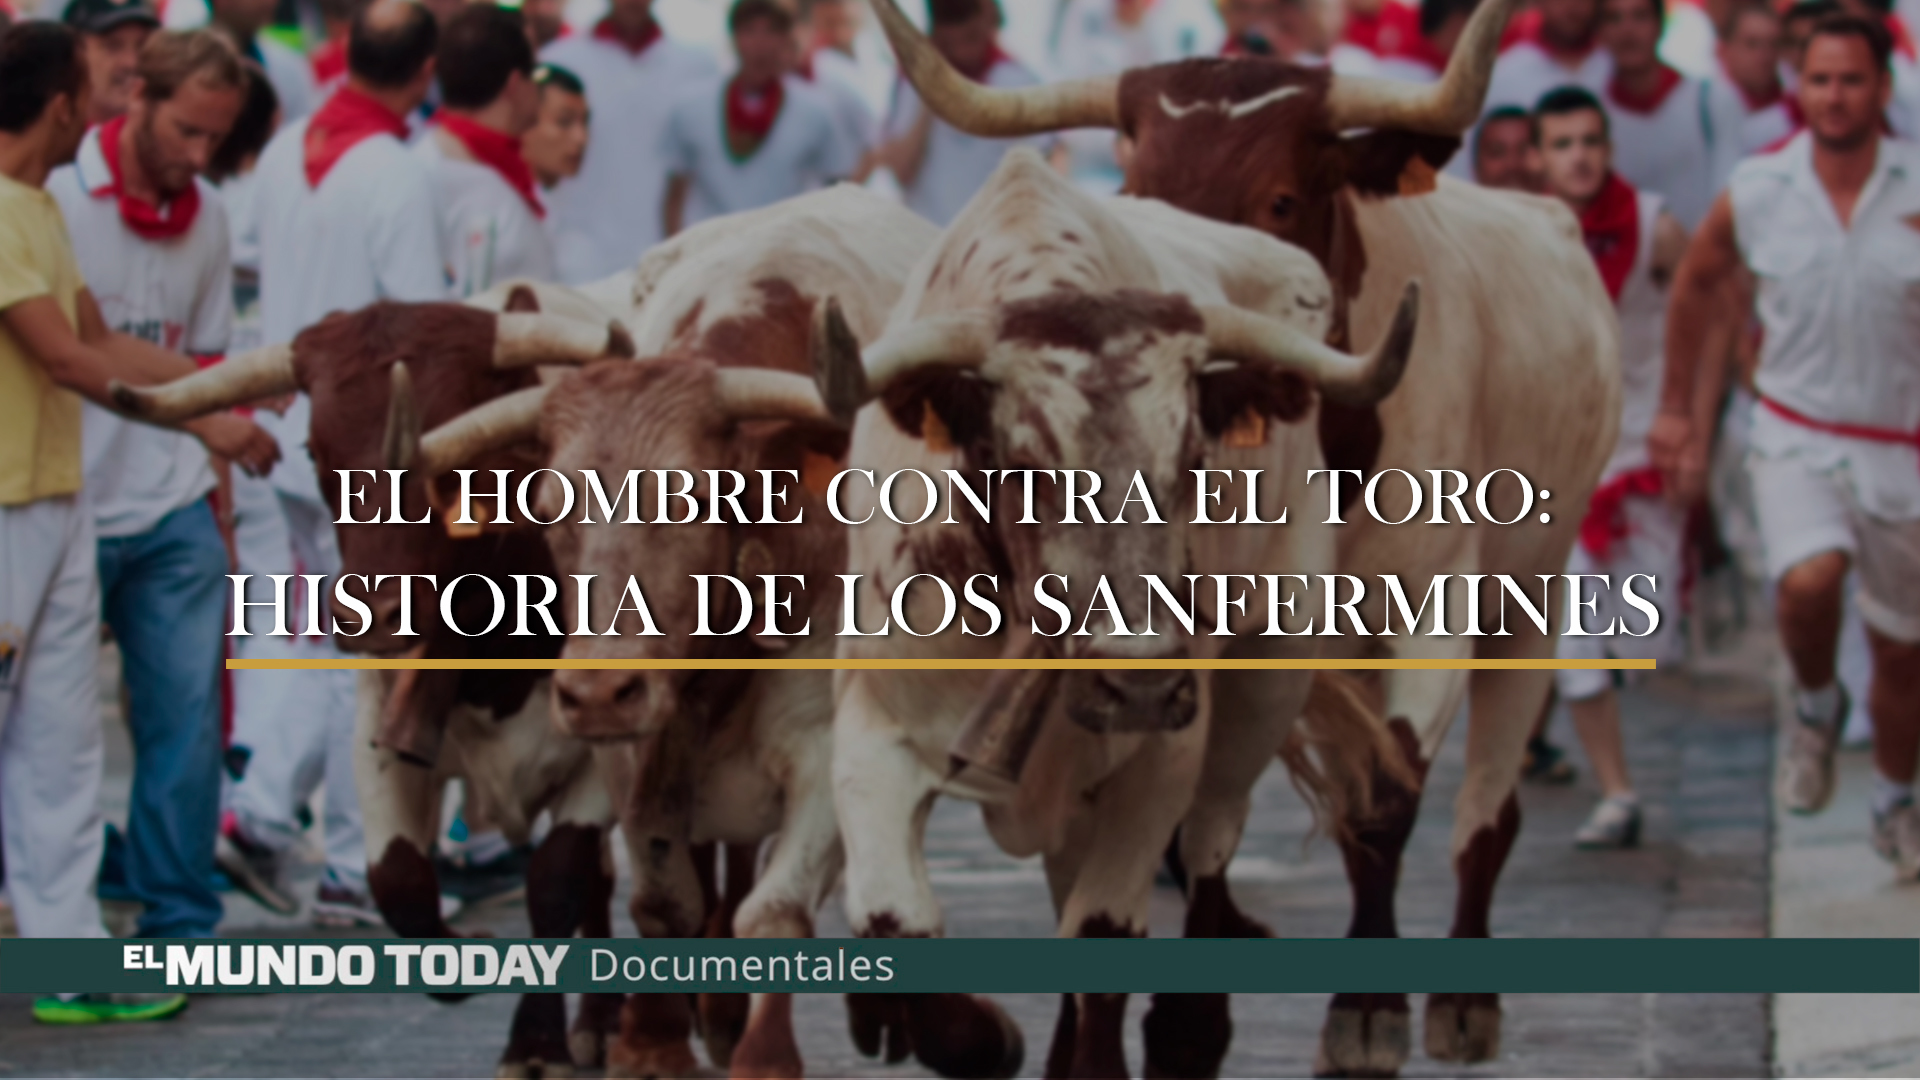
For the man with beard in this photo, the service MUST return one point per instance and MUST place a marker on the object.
(112, 32)
(151, 240)
(55, 349)
(1830, 227)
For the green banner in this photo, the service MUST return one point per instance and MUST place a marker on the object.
(1512, 965)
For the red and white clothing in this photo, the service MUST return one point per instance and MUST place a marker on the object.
(175, 292)
(801, 150)
(616, 199)
(492, 220)
(1670, 142)
(329, 63)
(1525, 71)
(1630, 528)
(1835, 448)
(956, 164)
(1391, 37)
(1763, 122)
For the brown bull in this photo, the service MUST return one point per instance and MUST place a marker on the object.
(419, 729)
(1519, 370)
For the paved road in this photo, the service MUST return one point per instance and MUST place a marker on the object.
(1701, 749)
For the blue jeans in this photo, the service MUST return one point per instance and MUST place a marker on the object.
(164, 594)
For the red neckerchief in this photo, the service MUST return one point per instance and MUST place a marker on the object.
(1756, 103)
(348, 118)
(604, 30)
(1902, 40)
(995, 58)
(1645, 104)
(1393, 33)
(1611, 227)
(1529, 27)
(498, 152)
(753, 115)
(804, 68)
(1606, 519)
(149, 222)
(329, 61)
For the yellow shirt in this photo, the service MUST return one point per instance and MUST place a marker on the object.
(39, 421)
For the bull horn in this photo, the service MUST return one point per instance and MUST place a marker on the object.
(522, 340)
(990, 113)
(400, 445)
(262, 373)
(764, 394)
(1447, 107)
(1249, 337)
(954, 340)
(837, 367)
(500, 422)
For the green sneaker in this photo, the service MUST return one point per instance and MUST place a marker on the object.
(109, 1008)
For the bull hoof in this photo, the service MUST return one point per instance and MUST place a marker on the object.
(1186, 1035)
(588, 1047)
(722, 1019)
(1463, 1028)
(1365, 1035)
(661, 1061)
(965, 1036)
(878, 1025)
(533, 1069)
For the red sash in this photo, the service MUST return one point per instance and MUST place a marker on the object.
(1864, 432)
(1606, 520)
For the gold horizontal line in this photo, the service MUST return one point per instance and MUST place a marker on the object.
(370, 664)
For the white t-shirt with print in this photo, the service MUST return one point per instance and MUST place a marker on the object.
(175, 293)
(488, 233)
(802, 151)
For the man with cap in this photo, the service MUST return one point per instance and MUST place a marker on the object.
(111, 33)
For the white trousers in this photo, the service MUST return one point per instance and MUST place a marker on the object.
(298, 725)
(51, 746)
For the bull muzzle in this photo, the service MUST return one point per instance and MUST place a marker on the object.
(1123, 700)
(612, 706)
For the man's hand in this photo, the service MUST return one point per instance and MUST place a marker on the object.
(1680, 457)
(237, 439)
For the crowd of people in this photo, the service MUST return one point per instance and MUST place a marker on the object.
(179, 184)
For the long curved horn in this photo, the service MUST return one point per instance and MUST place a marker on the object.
(237, 380)
(1238, 334)
(401, 442)
(989, 113)
(1448, 107)
(764, 394)
(500, 422)
(521, 340)
(960, 340)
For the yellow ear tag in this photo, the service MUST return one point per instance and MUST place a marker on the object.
(1248, 432)
(1418, 177)
(933, 430)
(816, 471)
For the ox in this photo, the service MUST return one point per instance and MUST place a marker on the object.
(417, 729)
(1520, 370)
(713, 756)
(1049, 330)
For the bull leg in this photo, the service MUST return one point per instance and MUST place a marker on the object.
(1369, 1034)
(399, 803)
(599, 1013)
(723, 1017)
(561, 881)
(882, 795)
(1132, 819)
(1466, 1027)
(1187, 1035)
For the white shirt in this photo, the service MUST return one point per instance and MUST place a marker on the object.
(1677, 149)
(488, 233)
(1521, 76)
(803, 150)
(1841, 311)
(1759, 128)
(616, 199)
(175, 293)
(1092, 42)
(1643, 330)
(956, 164)
(369, 232)
(837, 79)
(292, 77)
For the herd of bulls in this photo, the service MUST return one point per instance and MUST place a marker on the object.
(1046, 329)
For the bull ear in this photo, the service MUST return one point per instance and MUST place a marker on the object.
(523, 300)
(1386, 163)
(1237, 400)
(943, 405)
(838, 368)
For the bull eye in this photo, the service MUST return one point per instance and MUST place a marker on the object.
(1284, 206)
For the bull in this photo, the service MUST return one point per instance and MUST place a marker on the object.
(695, 758)
(1051, 331)
(390, 366)
(1519, 369)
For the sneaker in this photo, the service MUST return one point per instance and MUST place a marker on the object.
(1615, 823)
(254, 870)
(109, 1008)
(503, 877)
(1896, 836)
(1547, 764)
(1806, 775)
(337, 905)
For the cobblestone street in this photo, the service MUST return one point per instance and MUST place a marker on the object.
(1701, 749)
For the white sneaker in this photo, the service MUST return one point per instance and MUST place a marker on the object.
(1896, 837)
(1614, 823)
